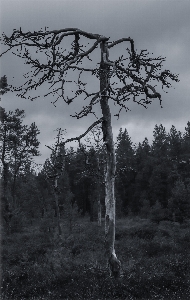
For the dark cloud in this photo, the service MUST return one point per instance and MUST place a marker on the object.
(162, 27)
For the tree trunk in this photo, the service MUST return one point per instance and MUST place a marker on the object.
(114, 263)
(5, 168)
(13, 191)
(99, 202)
(57, 209)
(99, 211)
(91, 208)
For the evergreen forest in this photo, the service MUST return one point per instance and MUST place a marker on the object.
(52, 216)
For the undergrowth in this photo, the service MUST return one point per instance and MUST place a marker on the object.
(37, 264)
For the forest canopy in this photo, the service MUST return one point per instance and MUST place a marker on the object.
(147, 175)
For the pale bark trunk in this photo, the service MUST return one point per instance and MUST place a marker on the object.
(5, 167)
(114, 263)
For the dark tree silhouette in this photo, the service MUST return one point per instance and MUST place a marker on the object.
(3, 85)
(128, 77)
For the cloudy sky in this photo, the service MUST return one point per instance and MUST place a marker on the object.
(162, 27)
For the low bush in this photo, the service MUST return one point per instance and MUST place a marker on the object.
(41, 265)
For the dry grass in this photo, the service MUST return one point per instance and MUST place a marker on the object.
(36, 264)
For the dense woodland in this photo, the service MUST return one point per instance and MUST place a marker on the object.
(52, 233)
(151, 180)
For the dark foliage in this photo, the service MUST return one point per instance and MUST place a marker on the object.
(39, 266)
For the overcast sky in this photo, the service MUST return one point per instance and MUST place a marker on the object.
(162, 27)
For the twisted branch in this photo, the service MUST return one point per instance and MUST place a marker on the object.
(129, 77)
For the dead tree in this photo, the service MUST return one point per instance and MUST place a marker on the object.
(96, 131)
(128, 77)
(57, 165)
(97, 139)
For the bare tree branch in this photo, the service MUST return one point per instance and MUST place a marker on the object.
(129, 77)
(83, 134)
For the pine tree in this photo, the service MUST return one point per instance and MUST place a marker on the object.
(179, 203)
(186, 143)
(19, 145)
(175, 144)
(128, 77)
(125, 173)
(144, 166)
(160, 144)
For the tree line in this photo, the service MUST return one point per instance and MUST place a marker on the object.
(152, 180)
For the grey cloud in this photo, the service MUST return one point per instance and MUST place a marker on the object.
(162, 27)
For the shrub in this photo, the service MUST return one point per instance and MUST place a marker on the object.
(35, 267)
(146, 233)
(179, 203)
(145, 209)
(158, 213)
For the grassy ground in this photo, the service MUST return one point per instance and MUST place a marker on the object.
(36, 264)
